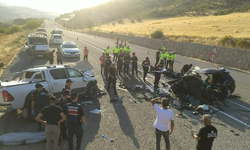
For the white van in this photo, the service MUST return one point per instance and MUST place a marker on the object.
(56, 39)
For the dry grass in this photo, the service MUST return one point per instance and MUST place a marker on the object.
(197, 29)
(10, 45)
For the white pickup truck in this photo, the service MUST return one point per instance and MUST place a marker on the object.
(16, 91)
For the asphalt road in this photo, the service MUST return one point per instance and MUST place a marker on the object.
(130, 120)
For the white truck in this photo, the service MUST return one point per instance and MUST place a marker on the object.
(17, 89)
(39, 44)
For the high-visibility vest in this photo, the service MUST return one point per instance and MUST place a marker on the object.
(171, 56)
(165, 54)
(107, 50)
(163, 47)
(128, 50)
(116, 50)
(162, 56)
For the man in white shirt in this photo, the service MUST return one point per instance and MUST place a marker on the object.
(165, 117)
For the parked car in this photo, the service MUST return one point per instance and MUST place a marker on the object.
(16, 91)
(56, 31)
(56, 39)
(41, 30)
(69, 49)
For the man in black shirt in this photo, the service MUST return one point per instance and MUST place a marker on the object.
(75, 118)
(120, 62)
(112, 78)
(39, 99)
(134, 60)
(54, 116)
(62, 102)
(158, 71)
(206, 135)
(108, 63)
(158, 55)
(51, 57)
(127, 60)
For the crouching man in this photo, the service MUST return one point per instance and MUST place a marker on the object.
(54, 116)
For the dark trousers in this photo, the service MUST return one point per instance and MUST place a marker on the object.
(51, 61)
(115, 57)
(165, 135)
(165, 61)
(77, 130)
(59, 61)
(170, 63)
(85, 57)
(119, 68)
(106, 73)
(113, 81)
(126, 69)
(157, 61)
(102, 68)
(134, 69)
(157, 79)
(63, 130)
(145, 72)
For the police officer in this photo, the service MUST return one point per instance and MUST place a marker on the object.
(116, 51)
(107, 50)
(134, 60)
(170, 61)
(120, 62)
(76, 121)
(62, 102)
(67, 87)
(108, 63)
(127, 60)
(112, 77)
(39, 99)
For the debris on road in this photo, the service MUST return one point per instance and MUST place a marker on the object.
(86, 103)
(111, 140)
(96, 111)
(103, 136)
(137, 87)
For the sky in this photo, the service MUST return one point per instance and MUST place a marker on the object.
(55, 6)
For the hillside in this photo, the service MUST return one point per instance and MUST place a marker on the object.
(9, 13)
(150, 9)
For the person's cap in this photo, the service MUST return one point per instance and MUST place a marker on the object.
(69, 81)
(52, 98)
(74, 95)
(65, 92)
(39, 85)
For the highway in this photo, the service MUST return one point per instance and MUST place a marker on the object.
(130, 120)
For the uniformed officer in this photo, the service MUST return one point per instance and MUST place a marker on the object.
(62, 102)
(170, 61)
(120, 62)
(134, 60)
(107, 50)
(39, 99)
(127, 60)
(67, 87)
(116, 51)
(76, 121)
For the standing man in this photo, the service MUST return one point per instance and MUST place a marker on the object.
(165, 118)
(59, 57)
(158, 71)
(51, 57)
(75, 119)
(116, 51)
(112, 77)
(127, 60)
(39, 99)
(85, 53)
(170, 62)
(206, 135)
(102, 62)
(134, 60)
(108, 63)
(158, 55)
(62, 102)
(128, 50)
(54, 117)
(165, 55)
(67, 87)
(29, 55)
(145, 66)
(120, 62)
(107, 50)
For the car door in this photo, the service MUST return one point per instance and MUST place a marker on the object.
(79, 85)
(58, 77)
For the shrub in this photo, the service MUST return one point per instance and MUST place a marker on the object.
(139, 20)
(227, 41)
(113, 24)
(132, 21)
(13, 29)
(158, 34)
(120, 22)
(241, 43)
(34, 23)
(2, 30)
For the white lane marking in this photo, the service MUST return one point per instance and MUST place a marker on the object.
(238, 104)
(235, 119)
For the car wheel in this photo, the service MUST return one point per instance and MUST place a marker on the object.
(92, 92)
(229, 92)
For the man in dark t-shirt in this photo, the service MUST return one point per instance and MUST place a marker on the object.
(112, 78)
(134, 60)
(127, 60)
(206, 135)
(108, 62)
(120, 62)
(54, 117)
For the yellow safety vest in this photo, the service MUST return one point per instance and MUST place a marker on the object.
(107, 50)
(171, 56)
(116, 50)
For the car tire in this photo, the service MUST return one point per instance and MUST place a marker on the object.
(229, 92)
(92, 91)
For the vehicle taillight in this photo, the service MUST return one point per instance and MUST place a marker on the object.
(6, 96)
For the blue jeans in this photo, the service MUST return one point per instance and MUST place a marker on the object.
(165, 135)
(77, 130)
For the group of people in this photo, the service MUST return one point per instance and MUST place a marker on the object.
(59, 116)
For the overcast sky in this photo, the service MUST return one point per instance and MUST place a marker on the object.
(56, 6)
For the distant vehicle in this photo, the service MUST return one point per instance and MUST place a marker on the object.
(41, 33)
(56, 39)
(41, 30)
(39, 44)
(57, 31)
(16, 91)
(69, 49)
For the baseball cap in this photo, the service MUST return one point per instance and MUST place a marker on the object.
(74, 95)
(69, 80)
(38, 85)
